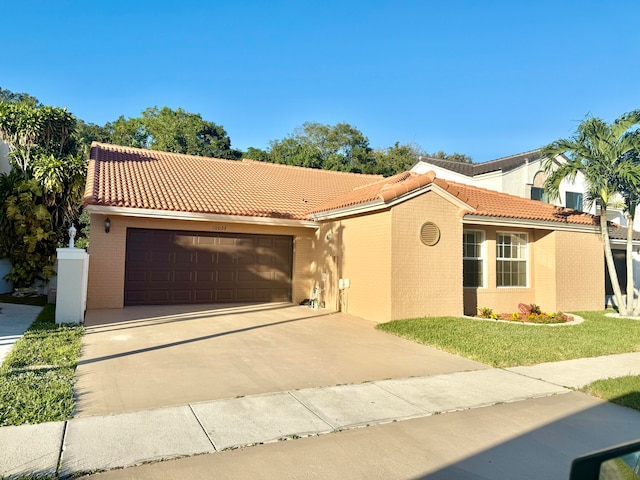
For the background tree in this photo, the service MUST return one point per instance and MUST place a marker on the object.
(170, 130)
(454, 157)
(343, 147)
(397, 158)
(257, 154)
(7, 96)
(604, 154)
(314, 145)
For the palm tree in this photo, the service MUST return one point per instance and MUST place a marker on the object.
(604, 154)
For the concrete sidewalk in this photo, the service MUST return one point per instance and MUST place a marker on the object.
(14, 320)
(120, 440)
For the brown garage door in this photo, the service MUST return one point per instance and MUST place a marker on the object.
(178, 267)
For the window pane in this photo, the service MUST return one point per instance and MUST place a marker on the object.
(511, 262)
(574, 200)
(538, 193)
(472, 272)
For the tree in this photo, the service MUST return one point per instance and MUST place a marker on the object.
(604, 154)
(314, 145)
(42, 194)
(454, 157)
(257, 154)
(396, 159)
(7, 96)
(170, 130)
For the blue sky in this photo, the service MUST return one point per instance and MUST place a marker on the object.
(483, 78)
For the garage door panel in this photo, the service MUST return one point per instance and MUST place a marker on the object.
(224, 259)
(183, 276)
(200, 267)
(223, 276)
(245, 276)
(245, 295)
(136, 276)
(159, 257)
(266, 242)
(246, 258)
(159, 295)
(135, 296)
(160, 276)
(182, 257)
(265, 276)
(266, 260)
(182, 296)
(224, 295)
(280, 295)
(205, 295)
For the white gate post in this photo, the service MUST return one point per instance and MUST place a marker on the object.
(71, 296)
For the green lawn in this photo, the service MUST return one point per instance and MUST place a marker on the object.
(36, 378)
(624, 391)
(509, 344)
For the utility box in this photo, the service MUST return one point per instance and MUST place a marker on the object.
(71, 294)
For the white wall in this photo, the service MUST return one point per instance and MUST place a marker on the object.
(514, 182)
(5, 166)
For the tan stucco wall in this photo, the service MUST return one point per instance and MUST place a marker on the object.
(320, 250)
(426, 280)
(363, 252)
(579, 271)
(107, 260)
(545, 277)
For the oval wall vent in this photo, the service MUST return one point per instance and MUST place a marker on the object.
(429, 234)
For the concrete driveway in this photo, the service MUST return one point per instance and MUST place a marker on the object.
(149, 357)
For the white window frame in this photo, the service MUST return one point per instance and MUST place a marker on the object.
(524, 257)
(482, 257)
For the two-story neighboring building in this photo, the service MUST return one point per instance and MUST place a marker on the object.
(523, 175)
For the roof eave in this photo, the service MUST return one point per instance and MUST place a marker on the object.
(527, 223)
(200, 217)
(375, 205)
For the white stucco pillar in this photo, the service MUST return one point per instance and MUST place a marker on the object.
(71, 296)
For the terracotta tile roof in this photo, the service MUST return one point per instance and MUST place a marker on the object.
(503, 164)
(481, 202)
(382, 190)
(488, 203)
(149, 179)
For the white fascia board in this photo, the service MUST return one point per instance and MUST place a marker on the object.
(523, 223)
(199, 217)
(619, 241)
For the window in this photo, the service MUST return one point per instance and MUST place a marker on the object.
(538, 193)
(511, 260)
(472, 258)
(574, 200)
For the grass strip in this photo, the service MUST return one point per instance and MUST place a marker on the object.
(624, 391)
(502, 344)
(37, 377)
